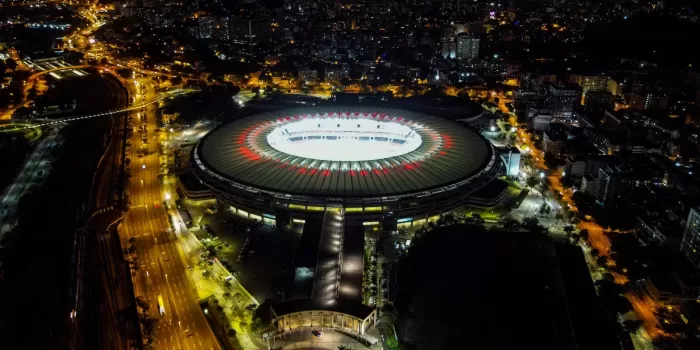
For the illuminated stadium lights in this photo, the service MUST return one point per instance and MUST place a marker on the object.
(344, 140)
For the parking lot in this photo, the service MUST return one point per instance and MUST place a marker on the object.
(262, 262)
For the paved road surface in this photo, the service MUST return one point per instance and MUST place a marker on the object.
(163, 269)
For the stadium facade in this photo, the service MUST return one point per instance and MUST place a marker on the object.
(373, 164)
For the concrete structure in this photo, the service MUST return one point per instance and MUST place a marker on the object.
(598, 101)
(541, 122)
(467, 47)
(690, 243)
(589, 184)
(647, 100)
(296, 314)
(590, 82)
(649, 231)
(561, 100)
(614, 183)
(330, 256)
(552, 142)
(250, 31)
(360, 160)
(575, 166)
(511, 160)
(663, 289)
(207, 27)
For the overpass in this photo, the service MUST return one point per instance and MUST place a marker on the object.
(163, 96)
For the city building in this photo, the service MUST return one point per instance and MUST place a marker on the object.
(554, 139)
(307, 75)
(690, 243)
(561, 100)
(207, 27)
(590, 82)
(250, 31)
(648, 100)
(223, 28)
(589, 184)
(614, 184)
(575, 166)
(467, 47)
(598, 101)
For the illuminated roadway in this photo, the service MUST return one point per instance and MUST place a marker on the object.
(163, 270)
(116, 111)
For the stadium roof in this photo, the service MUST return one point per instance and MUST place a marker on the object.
(240, 152)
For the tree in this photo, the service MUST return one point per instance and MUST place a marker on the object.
(531, 182)
(533, 225)
(511, 225)
(476, 219)
(142, 303)
(389, 315)
(392, 343)
(11, 64)
(595, 252)
(602, 261)
(632, 326)
(231, 332)
(611, 296)
(584, 234)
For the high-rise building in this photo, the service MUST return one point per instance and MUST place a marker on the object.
(614, 183)
(648, 100)
(561, 100)
(207, 26)
(690, 243)
(467, 47)
(590, 82)
(223, 29)
(598, 101)
(250, 31)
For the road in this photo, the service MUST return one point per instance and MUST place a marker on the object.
(163, 270)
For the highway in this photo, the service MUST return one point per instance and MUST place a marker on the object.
(163, 266)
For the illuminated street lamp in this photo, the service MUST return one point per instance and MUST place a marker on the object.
(167, 196)
(542, 174)
(143, 166)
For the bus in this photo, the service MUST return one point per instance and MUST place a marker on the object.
(161, 305)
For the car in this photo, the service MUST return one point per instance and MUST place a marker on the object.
(317, 334)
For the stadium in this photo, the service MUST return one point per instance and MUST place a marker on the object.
(371, 163)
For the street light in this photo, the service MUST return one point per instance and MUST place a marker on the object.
(167, 196)
(542, 174)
